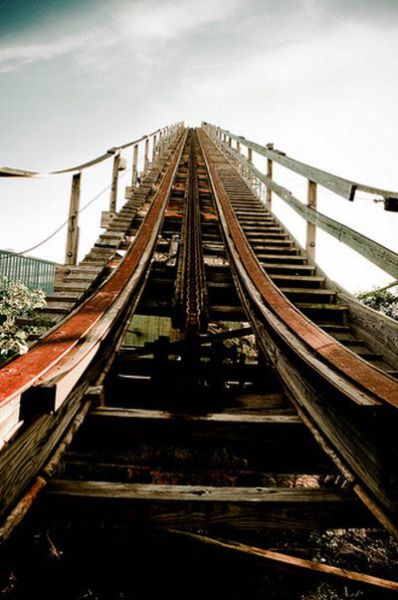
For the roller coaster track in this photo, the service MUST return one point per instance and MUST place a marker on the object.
(186, 432)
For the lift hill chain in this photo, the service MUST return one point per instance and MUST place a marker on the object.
(108, 430)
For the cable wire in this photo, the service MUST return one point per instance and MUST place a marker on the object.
(60, 227)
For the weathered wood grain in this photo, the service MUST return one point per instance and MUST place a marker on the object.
(197, 506)
(376, 253)
(339, 185)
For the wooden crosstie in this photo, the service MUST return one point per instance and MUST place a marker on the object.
(200, 371)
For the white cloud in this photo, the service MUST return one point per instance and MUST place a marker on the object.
(13, 57)
(168, 20)
(143, 27)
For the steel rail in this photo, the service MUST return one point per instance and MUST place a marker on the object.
(351, 375)
(339, 185)
(70, 346)
(23, 173)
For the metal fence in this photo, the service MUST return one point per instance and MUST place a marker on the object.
(33, 272)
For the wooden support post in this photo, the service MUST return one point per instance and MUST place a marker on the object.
(238, 163)
(115, 178)
(135, 166)
(230, 142)
(72, 238)
(311, 227)
(268, 197)
(168, 137)
(154, 140)
(250, 162)
(146, 159)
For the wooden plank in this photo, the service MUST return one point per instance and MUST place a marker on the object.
(202, 506)
(356, 453)
(197, 493)
(15, 517)
(180, 345)
(379, 331)
(72, 239)
(348, 373)
(254, 440)
(271, 418)
(376, 253)
(311, 228)
(90, 323)
(294, 561)
(99, 468)
(339, 185)
(22, 460)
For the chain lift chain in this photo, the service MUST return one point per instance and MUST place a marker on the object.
(190, 296)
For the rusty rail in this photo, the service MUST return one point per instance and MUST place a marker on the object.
(362, 382)
(60, 358)
(160, 138)
(310, 362)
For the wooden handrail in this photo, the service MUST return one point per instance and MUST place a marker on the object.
(74, 342)
(339, 185)
(376, 253)
(72, 239)
(336, 364)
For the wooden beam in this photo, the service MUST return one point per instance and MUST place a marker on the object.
(293, 561)
(146, 155)
(115, 178)
(18, 513)
(134, 174)
(379, 255)
(340, 186)
(270, 168)
(72, 239)
(154, 148)
(202, 506)
(311, 227)
(250, 418)
(181, 345)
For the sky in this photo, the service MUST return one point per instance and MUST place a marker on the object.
(318, 78)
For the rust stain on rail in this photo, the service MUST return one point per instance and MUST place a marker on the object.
(59, 343)
(373, 381)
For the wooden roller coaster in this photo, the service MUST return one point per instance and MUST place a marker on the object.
(199, 365)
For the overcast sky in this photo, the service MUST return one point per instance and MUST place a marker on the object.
(319, 78)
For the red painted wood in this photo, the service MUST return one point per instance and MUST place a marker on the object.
(24, 371)
(372, 380)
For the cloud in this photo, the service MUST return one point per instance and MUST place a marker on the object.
(143, 27)
(12, 57)
(164, 21)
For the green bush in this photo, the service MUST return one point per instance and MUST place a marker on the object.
(382, 300)
(18, 317)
